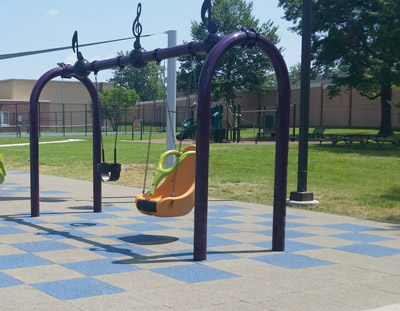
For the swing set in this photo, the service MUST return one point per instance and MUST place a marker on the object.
(187, 180)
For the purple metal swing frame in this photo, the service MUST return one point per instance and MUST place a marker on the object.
(203, 128)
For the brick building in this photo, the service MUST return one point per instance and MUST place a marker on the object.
(69, 102)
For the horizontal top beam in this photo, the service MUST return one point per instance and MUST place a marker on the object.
(155, 55)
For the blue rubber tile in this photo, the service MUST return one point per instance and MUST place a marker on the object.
(90, 216)
(153, 219)
(264, 244)
(114, 209)
(349, 227)
(21, 261)
(265, 223)
(225, 208)
(291, 217)
(10, 230)
(215, 230)
(53, 192)
(222, 214)
(31, 220)
(63, 234)
(194, 273)
(222, 221)
(212, 241)
(291, 224)
(290, 246)
(100, 267)
(77, 288)
(289, 234)
(80, 224)
(187, 255)
(147, 239)
(145, 227)
(269, 216)
(7, 281)
(22, 221)
(42, 246)
(360, 237)
(291, 261)
(115, 251)
(370, 250)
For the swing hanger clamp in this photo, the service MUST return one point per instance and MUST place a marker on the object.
(64, 67)
(119, 63)
(250, 42)
(155, 57)
(79, 66)
(136, 54)
(190, 49)
(213, 35)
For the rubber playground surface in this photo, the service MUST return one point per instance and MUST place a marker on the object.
(70, 258)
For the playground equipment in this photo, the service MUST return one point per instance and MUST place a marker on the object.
(219, 133)
(216, 46)
(3, 170)
(188, 129)
(175, 196)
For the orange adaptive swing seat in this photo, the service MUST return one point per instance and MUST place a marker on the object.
(165, 204)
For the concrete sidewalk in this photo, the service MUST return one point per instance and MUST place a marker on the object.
(70, 258)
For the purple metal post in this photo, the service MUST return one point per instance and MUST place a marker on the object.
(34, 136)
(203, 132)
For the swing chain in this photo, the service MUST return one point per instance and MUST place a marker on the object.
(148, 148)
(102, 142)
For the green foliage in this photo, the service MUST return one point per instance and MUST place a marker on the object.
(115, 102)
(356, 43)
(239, 69)
(294, 73)
(145, 81)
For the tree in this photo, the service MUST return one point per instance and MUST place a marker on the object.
(357, 44)
(294, 73)
(115, 102)
(240, 69)
(145, 81)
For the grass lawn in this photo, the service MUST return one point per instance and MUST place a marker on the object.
(358, 182)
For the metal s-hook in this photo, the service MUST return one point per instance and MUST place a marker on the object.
(206, 8)
(79, 66)
(75, 45)
(136, 54)
(213, 35)
(137, 27)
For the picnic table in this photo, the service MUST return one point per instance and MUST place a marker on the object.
(363, 138)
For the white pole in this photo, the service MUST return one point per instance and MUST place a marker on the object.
(171, 98)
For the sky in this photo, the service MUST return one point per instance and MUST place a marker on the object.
(27, 25)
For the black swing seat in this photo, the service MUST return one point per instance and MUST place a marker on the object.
(109, 171)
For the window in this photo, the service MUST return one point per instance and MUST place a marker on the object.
(4, 118)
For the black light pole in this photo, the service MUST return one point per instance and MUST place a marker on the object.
(301, 194)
